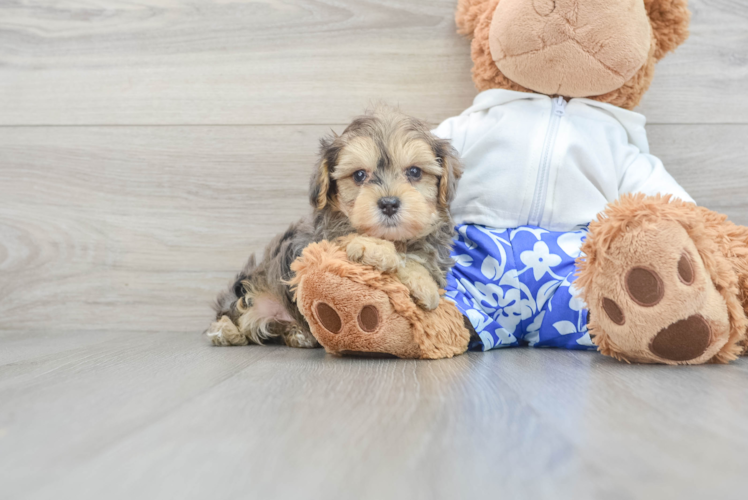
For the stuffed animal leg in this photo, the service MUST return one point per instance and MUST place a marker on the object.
(355, 309)
(665, 282)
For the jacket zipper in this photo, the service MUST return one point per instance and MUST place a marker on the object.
(541, 184)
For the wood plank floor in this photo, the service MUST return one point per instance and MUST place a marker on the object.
(161, 415)
(147, 147)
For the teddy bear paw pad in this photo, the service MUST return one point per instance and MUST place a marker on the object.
(683, 340)
(329, 318)
(368, 319)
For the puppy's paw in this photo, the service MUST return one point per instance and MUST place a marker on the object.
(380, 254)
(427, 297)
(294, 336)
(423, 288)
(224, 332)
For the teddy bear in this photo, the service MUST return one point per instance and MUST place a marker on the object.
(568, 232)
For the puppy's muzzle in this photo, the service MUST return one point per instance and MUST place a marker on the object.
(389, 205)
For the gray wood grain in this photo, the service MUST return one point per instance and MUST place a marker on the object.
(167, 416)
(298, 61)
(139, 227)
(710, 162)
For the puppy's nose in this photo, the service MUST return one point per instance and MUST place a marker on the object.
(389, 205)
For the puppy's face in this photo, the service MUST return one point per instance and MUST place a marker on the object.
(390, 176)
(388, 190)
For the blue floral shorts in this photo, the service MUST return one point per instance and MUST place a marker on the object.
(516, 287)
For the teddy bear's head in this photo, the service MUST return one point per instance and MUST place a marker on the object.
(601, 49)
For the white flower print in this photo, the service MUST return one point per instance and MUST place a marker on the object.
(507, 305)
(487, 339)
(511, 278)
(536, 231)
(491, 268)
(498, 241)
(576, 303)
(478, 320)
(546, 292)
(511, 312)
(495, 237)
(540, 260)
(504, 336)
(571, 243)
(585, 340)
(565, 327)
(470, 244)
(463, 260)
(533, 330)
(484, 294)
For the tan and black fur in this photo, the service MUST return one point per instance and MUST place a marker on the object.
(381, 190)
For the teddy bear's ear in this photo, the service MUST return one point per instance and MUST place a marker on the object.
(669, 19)
(469, 13)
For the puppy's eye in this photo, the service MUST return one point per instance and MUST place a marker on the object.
(414, 173)
(359, 176)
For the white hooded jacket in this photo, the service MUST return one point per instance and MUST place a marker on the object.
(530, 159)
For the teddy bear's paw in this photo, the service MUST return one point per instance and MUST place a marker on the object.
(348, 317)
(371, 330)
(655, 302)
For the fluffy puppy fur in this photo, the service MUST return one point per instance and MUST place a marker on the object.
(381, 190)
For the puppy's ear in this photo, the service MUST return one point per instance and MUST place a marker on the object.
(451, 171)
(322, 186)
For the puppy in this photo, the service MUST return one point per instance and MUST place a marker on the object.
(382, 191)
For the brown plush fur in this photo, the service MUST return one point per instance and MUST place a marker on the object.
(324, 273)
(669, 20)
(722, 247)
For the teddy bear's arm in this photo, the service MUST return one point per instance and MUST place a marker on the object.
(646, 174)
